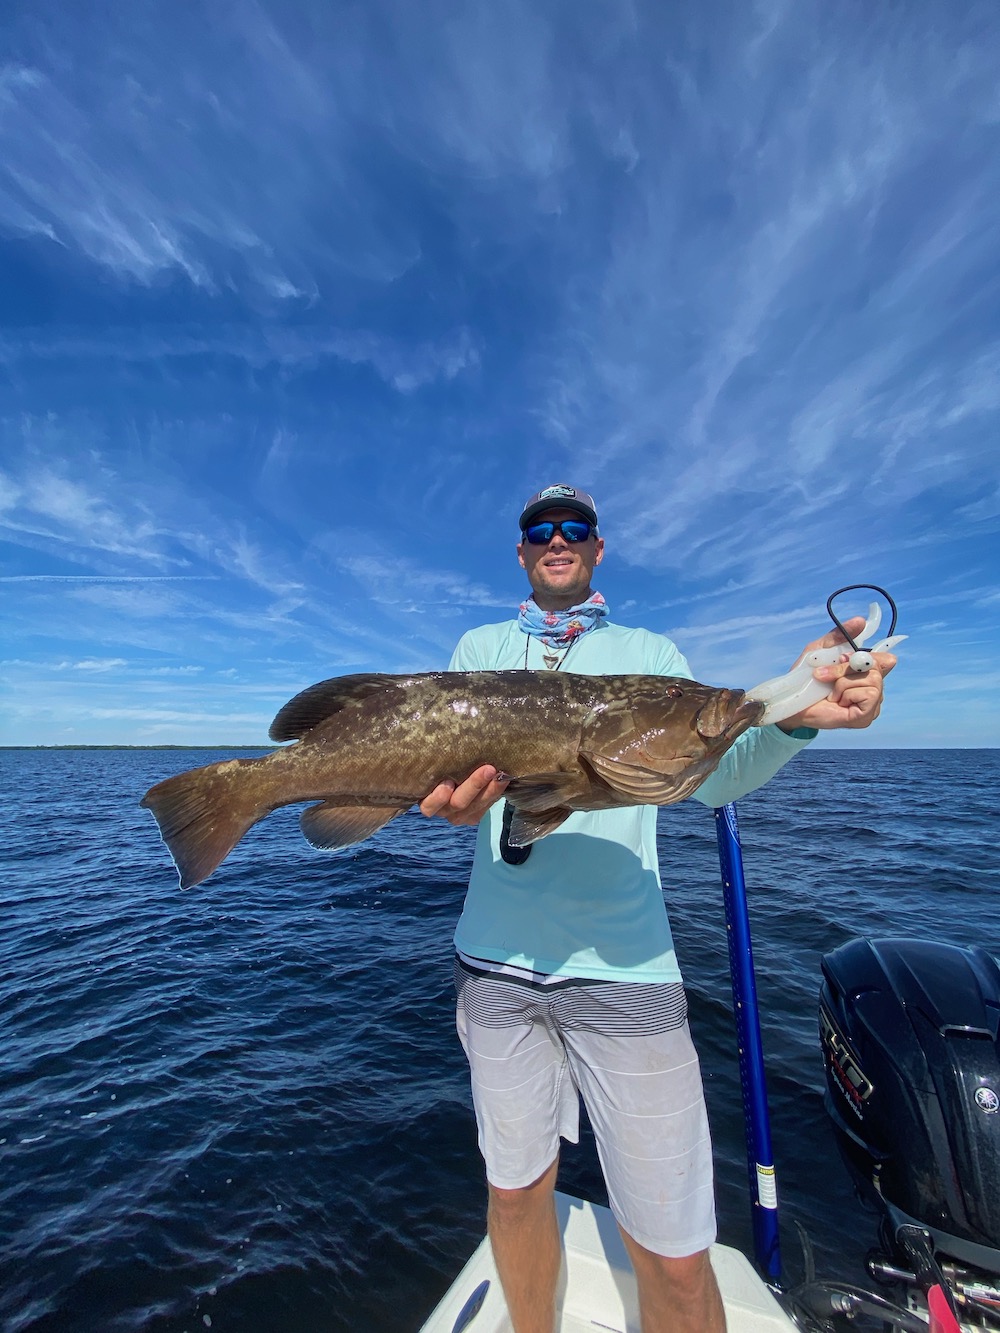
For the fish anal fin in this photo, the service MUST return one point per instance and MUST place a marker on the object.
(641, 786)
(527, 827)
(318, 702)
(542, 791)
(329, 825)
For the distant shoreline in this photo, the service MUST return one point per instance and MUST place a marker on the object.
(141, 747)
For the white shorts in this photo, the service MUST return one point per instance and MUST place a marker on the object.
(534, 1050)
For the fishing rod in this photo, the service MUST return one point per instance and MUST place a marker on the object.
(756, 1115)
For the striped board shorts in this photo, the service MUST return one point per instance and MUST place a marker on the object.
(535, 1049)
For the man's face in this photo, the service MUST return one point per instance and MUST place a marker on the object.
(560, 572)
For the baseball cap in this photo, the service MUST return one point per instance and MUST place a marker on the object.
(560, 496)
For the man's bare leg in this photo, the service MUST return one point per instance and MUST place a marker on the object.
(525, 1238)
(676, 1295)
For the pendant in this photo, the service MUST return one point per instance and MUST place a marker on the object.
(551, 660)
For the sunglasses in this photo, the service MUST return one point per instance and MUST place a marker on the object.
(572, 530)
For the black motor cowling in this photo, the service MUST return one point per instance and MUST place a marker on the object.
(911, 1044)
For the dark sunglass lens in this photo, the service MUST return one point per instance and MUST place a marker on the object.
(575, 530)
(539, 534)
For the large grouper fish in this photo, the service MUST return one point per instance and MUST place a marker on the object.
(370, 746)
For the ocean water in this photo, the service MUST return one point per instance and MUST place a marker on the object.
(244, 1107)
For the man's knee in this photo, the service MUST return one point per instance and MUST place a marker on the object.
(513, 1204)
(687, 1276)
(687, 1279)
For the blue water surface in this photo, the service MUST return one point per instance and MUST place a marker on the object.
(243, 1107)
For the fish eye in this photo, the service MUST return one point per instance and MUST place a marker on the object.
(675, 692)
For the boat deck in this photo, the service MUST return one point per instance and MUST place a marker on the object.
(599, 1286)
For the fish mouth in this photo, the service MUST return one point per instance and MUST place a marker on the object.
(727, 715)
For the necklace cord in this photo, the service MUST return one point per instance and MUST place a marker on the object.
(558, 664)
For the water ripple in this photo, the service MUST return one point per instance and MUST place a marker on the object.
(244, 1107)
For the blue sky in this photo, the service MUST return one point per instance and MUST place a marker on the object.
(300, 301)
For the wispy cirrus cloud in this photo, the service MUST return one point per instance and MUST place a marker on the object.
(87, 511)
(391, 579)
(51, 508)
(107, 578)
(80, 152)
(191, 716)
(403, 365)
(772, 344)
(95, 664)
(732, 269)
(469, 93)
(722, 631)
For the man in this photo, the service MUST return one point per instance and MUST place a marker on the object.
(567, 980)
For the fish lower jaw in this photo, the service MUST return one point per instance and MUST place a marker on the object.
(746, 715)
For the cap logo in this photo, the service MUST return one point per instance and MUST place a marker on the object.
(557, 493)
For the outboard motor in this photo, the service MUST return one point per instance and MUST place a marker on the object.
(911, 1045)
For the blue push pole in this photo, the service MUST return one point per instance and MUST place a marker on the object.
(760, 1159)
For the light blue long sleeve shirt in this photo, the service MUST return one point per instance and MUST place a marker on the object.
(588, 900)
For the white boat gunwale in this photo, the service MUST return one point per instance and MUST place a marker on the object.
(597, 1287)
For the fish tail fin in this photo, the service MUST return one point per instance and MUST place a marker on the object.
(202, 815)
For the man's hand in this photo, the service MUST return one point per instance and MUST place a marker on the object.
(856, 699)
(468, 801)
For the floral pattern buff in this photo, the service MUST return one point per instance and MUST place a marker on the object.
(558, 629)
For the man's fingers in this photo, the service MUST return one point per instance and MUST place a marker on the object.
(853, 626)
(855, 699)
(860, 700)
(477, 793)
(833, 639)
(885, 662)
(476, 785)
(858, 693)
(437, 800)
(466, 802)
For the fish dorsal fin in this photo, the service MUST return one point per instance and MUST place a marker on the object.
(542, 791)
(527, 826)
(642, 786)
(328, 825)
(318, 702)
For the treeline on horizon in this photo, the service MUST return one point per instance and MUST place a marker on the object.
(125, 746)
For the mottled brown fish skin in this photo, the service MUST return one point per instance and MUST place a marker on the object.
(371, 746)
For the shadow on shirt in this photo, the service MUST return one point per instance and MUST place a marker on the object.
(575, 893)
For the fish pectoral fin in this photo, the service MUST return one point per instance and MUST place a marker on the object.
(527, 826)
(318, 702)
(543, 791)
(328, 825)
(643, 786)
(540, 805)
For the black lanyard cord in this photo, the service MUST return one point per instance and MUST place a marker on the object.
(852, 587)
